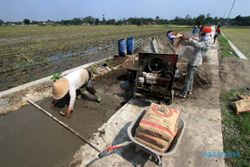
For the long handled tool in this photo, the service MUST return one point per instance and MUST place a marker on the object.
(64, 125)
(111, 148)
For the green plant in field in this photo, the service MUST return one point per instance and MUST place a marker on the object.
(56, 76)
(225, 49)
(235, 128)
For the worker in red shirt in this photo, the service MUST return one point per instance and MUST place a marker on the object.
(217, 33)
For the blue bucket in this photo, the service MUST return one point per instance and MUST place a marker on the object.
(130, 45)
(122, 47)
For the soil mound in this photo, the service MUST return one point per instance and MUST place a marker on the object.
(203, 79)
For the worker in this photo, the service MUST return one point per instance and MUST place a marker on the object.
(195, 30)
(65, 89)
(201, 46)
(217, 33)
(171, 36)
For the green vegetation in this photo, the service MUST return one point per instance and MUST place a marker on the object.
(225, 49)
(56, 76)
(240, 37)
(236, 129)
(203, 19)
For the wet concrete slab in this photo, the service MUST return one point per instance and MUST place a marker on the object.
(30, 138)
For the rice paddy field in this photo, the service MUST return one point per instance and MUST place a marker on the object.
(31, 52)
(240, 37)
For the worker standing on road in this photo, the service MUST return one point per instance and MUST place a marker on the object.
(217, 33)
(195, 30)
(65, 89)
(201, 46)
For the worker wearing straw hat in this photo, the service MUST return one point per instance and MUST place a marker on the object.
(68, 86)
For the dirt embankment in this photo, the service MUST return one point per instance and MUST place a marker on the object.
(234, 73)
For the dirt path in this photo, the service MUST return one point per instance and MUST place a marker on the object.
(30, 138)
(203, 134)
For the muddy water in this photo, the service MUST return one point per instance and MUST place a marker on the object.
(30, 138)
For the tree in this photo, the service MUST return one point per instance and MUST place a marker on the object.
(89, 19)
(208, 15)
(26, 21)
(97, 21)
(1, 22)
(103, 19)
(34, 22)
(111, 22)
(188, 16)
(200, 20)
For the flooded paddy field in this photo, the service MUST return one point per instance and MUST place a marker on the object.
(28, 53)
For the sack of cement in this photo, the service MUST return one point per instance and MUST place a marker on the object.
(158, 127)
(154, 147)
(153, 140)
(160, 121)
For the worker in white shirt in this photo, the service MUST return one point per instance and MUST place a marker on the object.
(66, 89)
(201, 46)
(171, 36)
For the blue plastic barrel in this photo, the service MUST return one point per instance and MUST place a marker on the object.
(122, 47)
(130, 45)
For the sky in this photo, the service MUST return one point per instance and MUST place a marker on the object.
(41, 10)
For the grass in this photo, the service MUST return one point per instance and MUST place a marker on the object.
(225, 49)
(236, 129)
(240, 37)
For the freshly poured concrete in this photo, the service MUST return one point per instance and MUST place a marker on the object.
(29, 138)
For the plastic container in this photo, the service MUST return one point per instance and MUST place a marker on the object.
(130, 45)
(122, 47)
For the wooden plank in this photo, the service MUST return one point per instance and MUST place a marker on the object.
(242, 105)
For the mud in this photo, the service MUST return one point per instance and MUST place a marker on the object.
(47, 65)
(33, 139)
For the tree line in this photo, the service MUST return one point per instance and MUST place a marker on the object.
(188, 20)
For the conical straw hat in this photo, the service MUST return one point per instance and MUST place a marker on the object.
(60, 88)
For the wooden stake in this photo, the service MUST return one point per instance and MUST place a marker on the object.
(64, 125)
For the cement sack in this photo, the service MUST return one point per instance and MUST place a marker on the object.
(160, 121)
(153, 140)
(154, 147)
